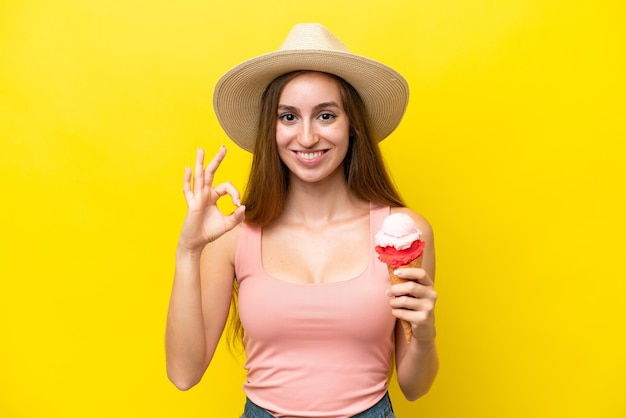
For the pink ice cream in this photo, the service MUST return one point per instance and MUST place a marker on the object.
(398, 241)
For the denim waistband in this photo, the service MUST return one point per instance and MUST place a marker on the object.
(382, 409)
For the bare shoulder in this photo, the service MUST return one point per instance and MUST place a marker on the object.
(220, 254)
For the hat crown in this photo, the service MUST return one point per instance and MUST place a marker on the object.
(237, 98)
(312, 36)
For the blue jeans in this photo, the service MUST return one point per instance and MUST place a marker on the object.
(382, 409)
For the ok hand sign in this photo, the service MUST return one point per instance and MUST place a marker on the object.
(204, 221)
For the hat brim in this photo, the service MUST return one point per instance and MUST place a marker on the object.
(237, 95)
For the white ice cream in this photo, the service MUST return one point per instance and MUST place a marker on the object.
(398, 231)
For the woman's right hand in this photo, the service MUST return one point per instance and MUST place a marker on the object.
(204, 222)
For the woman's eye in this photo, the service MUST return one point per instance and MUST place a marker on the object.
(287, 117)
(327, 116)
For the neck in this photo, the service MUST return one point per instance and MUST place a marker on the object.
(322, 202)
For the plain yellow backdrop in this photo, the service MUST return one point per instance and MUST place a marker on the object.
(512, 146)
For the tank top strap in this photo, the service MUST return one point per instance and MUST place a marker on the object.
(377, 216)
(248, 252)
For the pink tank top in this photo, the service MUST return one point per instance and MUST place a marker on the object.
(314, 350)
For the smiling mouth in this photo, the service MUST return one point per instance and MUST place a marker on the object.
(309, 155)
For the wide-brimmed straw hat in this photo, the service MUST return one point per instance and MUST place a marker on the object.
(309, 46)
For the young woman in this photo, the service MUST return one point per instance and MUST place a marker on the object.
(320, 317)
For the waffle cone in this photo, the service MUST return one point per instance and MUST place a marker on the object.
(408, 332)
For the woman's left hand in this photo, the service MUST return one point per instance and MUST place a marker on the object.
(414, 302)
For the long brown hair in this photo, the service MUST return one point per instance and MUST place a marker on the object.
(268, 183)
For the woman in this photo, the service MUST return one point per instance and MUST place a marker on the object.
(317, 308)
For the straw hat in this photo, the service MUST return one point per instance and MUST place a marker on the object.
(309, 46)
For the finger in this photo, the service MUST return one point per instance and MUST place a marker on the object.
(187, 183)
(411, 303)
(199, 178)
(228, 189)
(413, 317)
(237, 217)
(411, 290)
(416, 274)
(213, 165)
(232, 220)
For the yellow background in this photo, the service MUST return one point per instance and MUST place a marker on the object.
(512, 146)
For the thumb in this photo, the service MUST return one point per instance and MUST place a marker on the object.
(236, 217)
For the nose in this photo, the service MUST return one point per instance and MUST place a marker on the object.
(308, 137)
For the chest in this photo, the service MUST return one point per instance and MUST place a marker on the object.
(355, 310)
(317, 255)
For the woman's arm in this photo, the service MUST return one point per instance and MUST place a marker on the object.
(417, 362)
(198, 310)
(203, 278)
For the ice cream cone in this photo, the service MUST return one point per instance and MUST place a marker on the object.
(398, 245)
(408, 332)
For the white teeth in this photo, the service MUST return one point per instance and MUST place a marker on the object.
(309, 155)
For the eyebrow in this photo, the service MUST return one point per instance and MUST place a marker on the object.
(317, 107)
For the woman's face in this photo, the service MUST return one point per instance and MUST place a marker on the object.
(312, 130)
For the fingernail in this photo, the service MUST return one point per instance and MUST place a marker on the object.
(398, 272)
